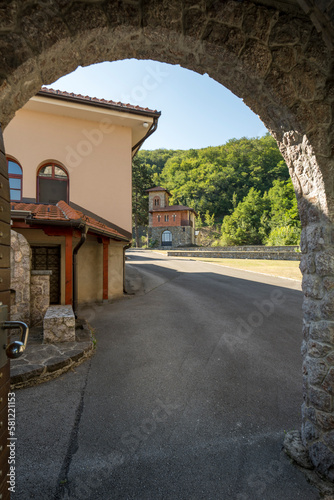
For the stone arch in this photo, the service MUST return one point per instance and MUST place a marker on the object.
(278, 59)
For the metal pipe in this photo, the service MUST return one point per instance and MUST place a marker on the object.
(150, 131)
(124, 250)
(75, 270)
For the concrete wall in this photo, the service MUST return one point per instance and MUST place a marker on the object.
(90, 266)
(115, 285)
(90, 270)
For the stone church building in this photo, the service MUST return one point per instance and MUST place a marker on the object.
(169, 225)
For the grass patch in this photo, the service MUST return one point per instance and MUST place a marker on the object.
(280, 268)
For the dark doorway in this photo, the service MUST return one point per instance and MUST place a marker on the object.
(167, 239)
(48, 258)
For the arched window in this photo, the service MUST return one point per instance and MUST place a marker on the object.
(15, 180)
(167, 238)
(52, 184)
(156, 201)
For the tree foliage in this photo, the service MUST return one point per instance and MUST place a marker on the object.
(271, 218)
(244, 184)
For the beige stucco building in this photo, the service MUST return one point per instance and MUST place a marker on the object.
(69, 161)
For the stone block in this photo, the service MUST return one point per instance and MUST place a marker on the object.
(325, 420)
(309, 432)
(323, 331)
(59, 324)
(315, 369)
(312, 286)
(318, 350)
(328, 383)
(294, 447)
(319, 399)
(323, 459)
(329, 439)
(324, 262)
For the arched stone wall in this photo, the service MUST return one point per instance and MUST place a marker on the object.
(278, 61)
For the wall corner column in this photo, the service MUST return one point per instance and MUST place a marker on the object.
(105, 267)
(68, 267)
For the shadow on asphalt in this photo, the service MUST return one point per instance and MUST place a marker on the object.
(224, 280)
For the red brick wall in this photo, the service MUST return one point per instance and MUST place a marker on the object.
(180, 215)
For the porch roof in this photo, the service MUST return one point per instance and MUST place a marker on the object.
(63, 214)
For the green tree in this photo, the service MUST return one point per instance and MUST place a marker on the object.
(209, 219)
(141, 180)
(283, 215)
(245, 226)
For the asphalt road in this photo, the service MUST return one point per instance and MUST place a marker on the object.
(195, 379)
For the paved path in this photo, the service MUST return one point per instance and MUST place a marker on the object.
(194, 381)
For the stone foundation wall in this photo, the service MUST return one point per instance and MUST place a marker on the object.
(263, 255)
(20, 265)
(248, 248)
(39, 295)
(182, 236)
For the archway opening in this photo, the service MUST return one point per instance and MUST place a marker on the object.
(277, 61)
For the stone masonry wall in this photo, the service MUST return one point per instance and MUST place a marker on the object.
(39, 296)
(277, 58)
(20, 264)
(182, 236)
(263, 255)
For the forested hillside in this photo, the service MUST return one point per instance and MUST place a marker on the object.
(242, 186)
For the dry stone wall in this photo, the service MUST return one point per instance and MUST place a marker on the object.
(20, 264)
(279, 60)
(39, 296)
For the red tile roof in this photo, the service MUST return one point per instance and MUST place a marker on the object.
(94, 100)
(41, 212)
(157, 188)
(63, 212)
(172, 208)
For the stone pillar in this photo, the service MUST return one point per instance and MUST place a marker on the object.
(39, 296)
(314, 446)
(317, 265)
(20, 265)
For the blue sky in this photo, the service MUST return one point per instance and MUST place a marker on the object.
(196, 111)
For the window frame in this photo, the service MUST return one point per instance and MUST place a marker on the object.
(170, 236)
(166, 218)
(53, 164)
(15, 176)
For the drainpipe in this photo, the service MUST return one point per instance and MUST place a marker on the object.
(83, 238)
(150, 131)
(124, 250)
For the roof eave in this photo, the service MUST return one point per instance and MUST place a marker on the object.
(104, 105)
